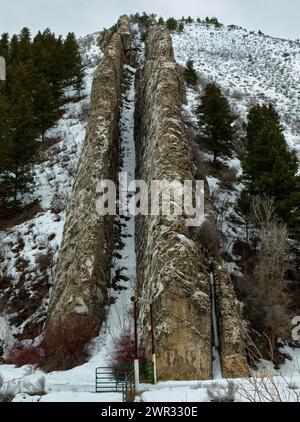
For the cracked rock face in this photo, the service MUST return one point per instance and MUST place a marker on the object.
(83, 271)
(231, 331)
(171, 268)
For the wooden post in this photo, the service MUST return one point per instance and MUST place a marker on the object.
(136, 355)
(153, 344)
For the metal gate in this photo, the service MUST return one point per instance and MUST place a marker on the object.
(106, 381)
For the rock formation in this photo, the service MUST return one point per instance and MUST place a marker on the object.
(83, 270)
(231, 331)
(171, 268)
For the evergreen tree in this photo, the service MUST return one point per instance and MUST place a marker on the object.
(216, 122)
(171, 24)
(161, 21)
(74, 72)
(190, 74)
(24, 45)
(213, 21)
(189, 20)
(48, 57)
(16, 175)
(199, 20)
(5, 140)
(46, 108)
(4, 46)
(14, 49)
(181, 27)
(38, 70)
(270, 169)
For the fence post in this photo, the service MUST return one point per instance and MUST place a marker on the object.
(154, 368)
(136, 373)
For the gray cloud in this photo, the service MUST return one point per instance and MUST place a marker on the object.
(274, 17)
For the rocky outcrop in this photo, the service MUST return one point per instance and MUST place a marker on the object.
(83, 270)
(231, 331)
(171, 270)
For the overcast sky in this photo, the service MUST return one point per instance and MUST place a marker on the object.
(274, 17)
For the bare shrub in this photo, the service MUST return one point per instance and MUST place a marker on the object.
(263, 387)
(227, 177)
(123, 351)
(65, 343)
(84, 112)
(58, 203)
(267, 300)
(8, 391)
(199, 163)
(36, 389)
(45, 261)
(24, 354)
(221, 393)
(208, 237)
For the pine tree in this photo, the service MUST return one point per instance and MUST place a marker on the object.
(161, 21)
(190, 74)
(181, 27)
(46, 108)
(24, 45)
(19, 139)
(270, 169)
(5, 139)
(48, 58)
(14, 50)
(38, 70)
(171, 24)
(4, 46)
(216, 122)
(189, 20)
(74, 72)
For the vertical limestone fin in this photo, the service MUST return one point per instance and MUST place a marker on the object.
(231, 331)
(83, 270)
(172, 271)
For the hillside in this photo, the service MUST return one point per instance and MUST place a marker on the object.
(29, 249)
(250, 68)
(68, 269)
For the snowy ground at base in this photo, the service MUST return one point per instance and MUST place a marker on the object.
(78, 383)
(70, 397)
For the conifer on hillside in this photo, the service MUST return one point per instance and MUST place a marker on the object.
(216, 122)
(190, 74)
(172, 24)
(269, 167)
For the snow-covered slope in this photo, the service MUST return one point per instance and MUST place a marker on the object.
(249, 68)
(29, 251)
